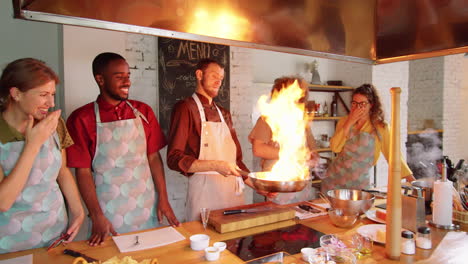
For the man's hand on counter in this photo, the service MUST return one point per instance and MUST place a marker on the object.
(101, 228)
(165, 209)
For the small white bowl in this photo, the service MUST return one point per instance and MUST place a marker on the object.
(212, 253)
(220, 245)
(199, 241)
(306, 252)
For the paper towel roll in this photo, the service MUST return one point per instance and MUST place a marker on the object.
(442, 209)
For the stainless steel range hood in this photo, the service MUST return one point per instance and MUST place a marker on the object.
(367, 31)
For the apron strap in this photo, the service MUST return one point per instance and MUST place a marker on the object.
(96, 112)
(135, 112)
(202, 111)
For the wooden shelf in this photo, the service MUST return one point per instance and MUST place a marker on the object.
(321, 118)
(324, 150)
(329, 88)
(425, 131)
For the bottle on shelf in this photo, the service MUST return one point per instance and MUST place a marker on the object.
(325, 110)
(334, 107)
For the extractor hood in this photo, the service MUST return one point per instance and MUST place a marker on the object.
(368, 31)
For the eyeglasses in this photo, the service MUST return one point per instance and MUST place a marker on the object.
(360, 104)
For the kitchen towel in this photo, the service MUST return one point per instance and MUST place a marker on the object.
(442, 208)
(145, 240)
(453, 249)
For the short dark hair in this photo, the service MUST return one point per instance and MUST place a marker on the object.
(102, 60)
(24, 74)
(203, 64)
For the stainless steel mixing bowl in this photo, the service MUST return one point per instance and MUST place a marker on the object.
(277, 186)
(351, 201)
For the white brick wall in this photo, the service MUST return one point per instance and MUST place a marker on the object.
(384, 77)
(425, 92)
(141, 53)
(454, 100)
(242, 102)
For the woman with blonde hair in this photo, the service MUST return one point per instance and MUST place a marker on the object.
(33, 172)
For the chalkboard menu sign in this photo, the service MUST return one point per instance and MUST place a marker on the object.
(177, 60)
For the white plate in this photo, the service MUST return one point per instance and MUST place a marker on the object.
(371, 231)
(371, 214)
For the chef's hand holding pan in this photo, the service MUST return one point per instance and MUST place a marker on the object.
(249, 182)
(227, 168)
(270, 195)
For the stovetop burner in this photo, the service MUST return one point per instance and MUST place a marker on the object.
(289, 239)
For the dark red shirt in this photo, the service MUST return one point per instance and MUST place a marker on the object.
(82, 127)
(185, 130)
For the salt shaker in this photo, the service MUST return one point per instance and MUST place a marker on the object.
(423, 238)
(407, 243)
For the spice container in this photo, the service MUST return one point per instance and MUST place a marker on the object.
(407, 243)
(423, 238)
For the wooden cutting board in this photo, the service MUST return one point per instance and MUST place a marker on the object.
(228, 223)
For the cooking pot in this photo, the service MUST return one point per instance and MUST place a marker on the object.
(427, 186)
(276, 186)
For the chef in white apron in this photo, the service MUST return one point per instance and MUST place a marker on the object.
(211, 189)
(203, 146)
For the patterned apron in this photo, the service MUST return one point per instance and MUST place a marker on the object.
(210, 189)
(38, 216)
(350, 169)
(124, 185)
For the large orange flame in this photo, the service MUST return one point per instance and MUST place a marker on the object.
(286, 118)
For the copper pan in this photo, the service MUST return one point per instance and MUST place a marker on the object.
(277, 186)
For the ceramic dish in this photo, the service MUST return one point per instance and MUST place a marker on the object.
(371, 214)
(372, 230)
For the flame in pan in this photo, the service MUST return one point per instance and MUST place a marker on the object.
(284, 113)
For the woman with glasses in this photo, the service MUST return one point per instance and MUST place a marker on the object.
(34, 178)
(358, 141)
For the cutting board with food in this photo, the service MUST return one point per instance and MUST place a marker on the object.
(242, 217)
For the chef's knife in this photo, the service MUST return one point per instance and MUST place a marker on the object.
(238, 211)
(78, 254)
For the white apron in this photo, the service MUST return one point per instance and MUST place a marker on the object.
(210, 189)
(124, 185)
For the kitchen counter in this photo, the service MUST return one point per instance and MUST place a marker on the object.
(180, 252)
